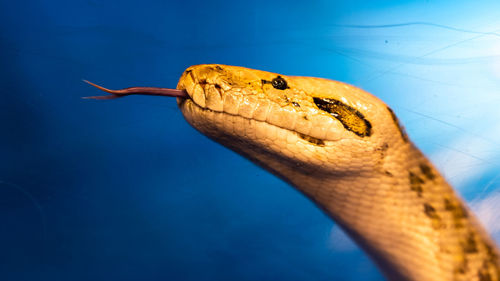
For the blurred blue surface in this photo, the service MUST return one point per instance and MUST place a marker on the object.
(127, 190)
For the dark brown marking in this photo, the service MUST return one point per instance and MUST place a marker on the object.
(351, 119)
(432, 214)
(389, 173)
(492, 255)
(427, 171)
(416, 184)
(218, 67)
(448, 205)
(295, 104)
(491, 263)
(305, 117)
(484, 275)
(469, 245)
(312, 140)
(463, 266)
(383, 147)
(430, 211)
(398, 124)
(487, 268)
(457, 210)
(383, 150)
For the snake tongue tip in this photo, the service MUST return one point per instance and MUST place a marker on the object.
(99, 87)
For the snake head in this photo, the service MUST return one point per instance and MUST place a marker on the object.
(281, 121)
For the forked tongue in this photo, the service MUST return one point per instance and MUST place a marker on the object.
(150, 91)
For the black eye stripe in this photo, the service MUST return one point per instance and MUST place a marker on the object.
(351, 119)
(279, 83)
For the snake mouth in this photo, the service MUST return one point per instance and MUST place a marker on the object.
(221, 95)
(193, 110)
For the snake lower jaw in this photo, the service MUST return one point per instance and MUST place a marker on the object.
(311, 124)
(192, 111)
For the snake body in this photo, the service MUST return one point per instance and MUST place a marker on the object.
(345, 150)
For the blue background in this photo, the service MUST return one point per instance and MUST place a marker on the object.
(127, 190)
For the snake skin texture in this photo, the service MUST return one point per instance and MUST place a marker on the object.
(345, 150)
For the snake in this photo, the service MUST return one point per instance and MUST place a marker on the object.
(345, 150)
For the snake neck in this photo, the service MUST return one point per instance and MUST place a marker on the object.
(345, 150)
(409, 220)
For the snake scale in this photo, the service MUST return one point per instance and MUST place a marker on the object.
(345, 150)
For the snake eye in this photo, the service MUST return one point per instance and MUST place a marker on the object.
(279, 83)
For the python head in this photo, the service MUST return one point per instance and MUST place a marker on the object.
(282, 122)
